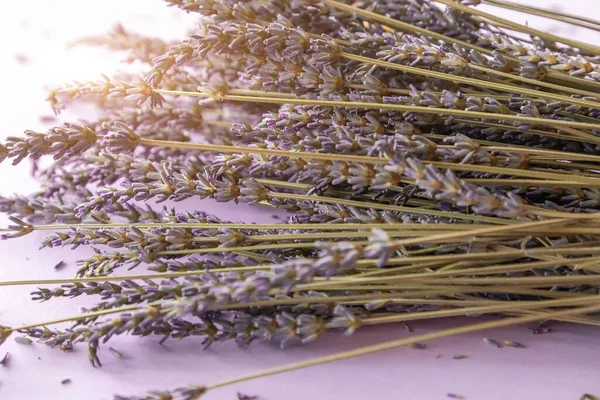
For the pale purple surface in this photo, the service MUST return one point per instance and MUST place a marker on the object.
(560, 365)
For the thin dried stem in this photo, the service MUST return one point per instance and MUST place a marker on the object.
(425, 203)
(402, 26)
(592, 182)
(371, 279)
(522, 28)
(521, 305)
(420, 239)
(491, 255)
(545, 13)
(555, 76)
(557, 135)
(385, 207)
(487, 84)
(267, 99)
(405, 342)
(224, 225)
(537, 281)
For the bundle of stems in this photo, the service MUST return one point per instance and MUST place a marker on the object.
(434, 160)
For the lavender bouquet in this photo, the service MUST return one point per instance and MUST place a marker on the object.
(433, 160)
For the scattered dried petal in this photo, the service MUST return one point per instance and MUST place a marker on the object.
(67, 346)
(59, 265)
(23, 340)
(4, 360)
(512, 343)
(115, 353)
(541, 330)
(242, 396)
(492, 342)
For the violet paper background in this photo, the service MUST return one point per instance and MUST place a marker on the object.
(33, 37)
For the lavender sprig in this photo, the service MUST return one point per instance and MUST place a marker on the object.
(463, 155)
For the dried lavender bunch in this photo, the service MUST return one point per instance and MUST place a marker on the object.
(429, 163)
